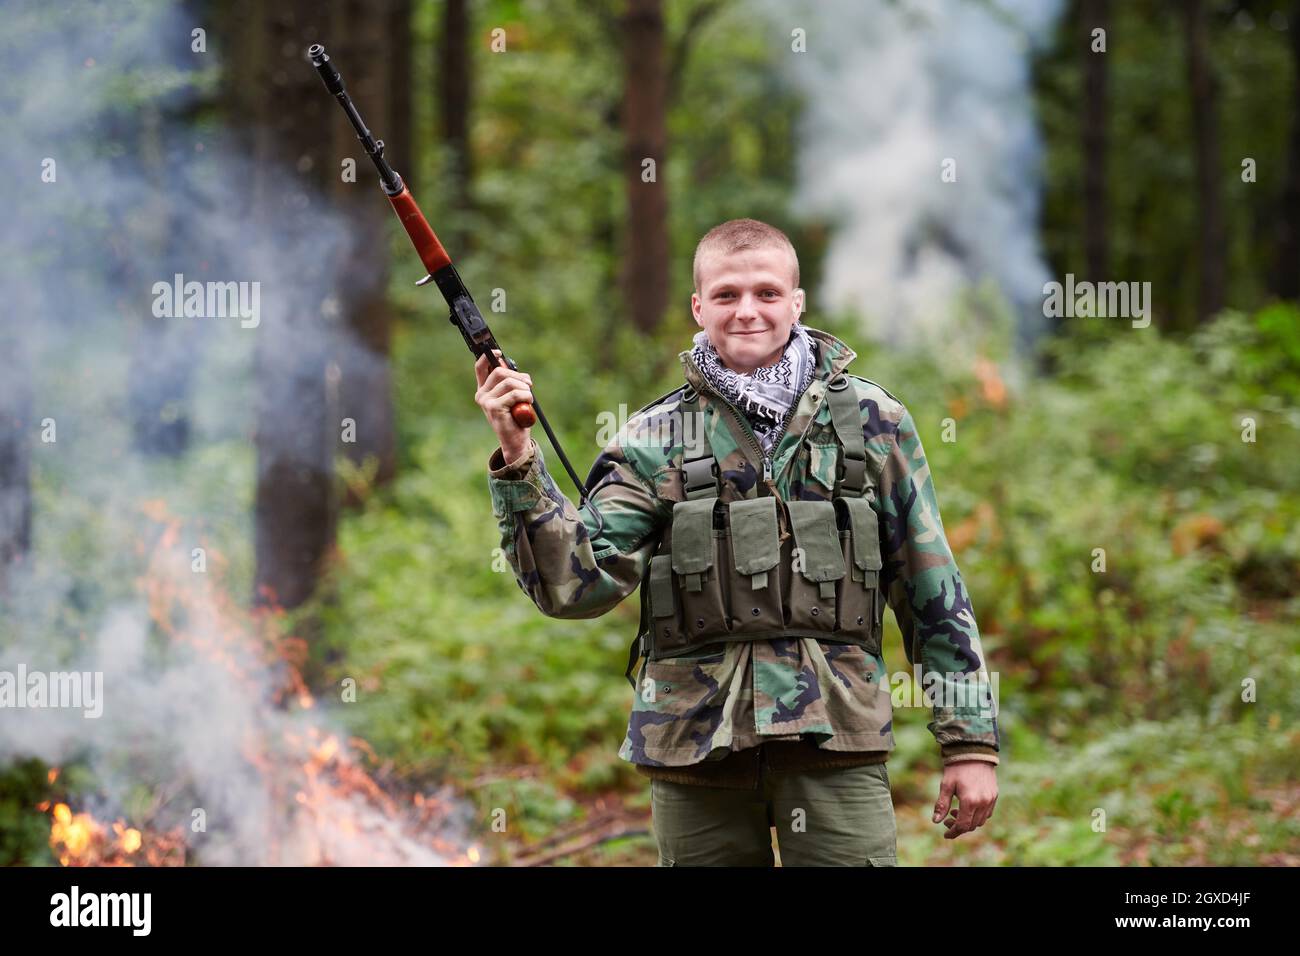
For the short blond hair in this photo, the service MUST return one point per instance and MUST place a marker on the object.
(737, 235)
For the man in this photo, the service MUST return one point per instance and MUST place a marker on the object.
(763, 700)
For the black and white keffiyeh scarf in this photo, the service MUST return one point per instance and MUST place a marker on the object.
(766, 396)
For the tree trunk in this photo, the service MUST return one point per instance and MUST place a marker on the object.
(1286, 274)
(361, 50)
(455, 93)
(399, 145)
(294, 516)
(1204, 90)
(17, 427)
(1095, 14)
(165, 350)
(645, 128)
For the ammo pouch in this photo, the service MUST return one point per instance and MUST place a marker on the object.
(763, 568)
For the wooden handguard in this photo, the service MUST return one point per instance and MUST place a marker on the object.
(435, 258)
(426, 243)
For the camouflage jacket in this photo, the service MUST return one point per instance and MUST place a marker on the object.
(734, 695)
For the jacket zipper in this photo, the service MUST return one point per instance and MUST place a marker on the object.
(749, 433)
(744, 429)
(776, 441)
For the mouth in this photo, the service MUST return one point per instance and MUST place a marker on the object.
(755, 332)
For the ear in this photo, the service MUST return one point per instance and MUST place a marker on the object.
(696, 307)
(797, 300)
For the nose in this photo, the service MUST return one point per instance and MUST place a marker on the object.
(747, 307)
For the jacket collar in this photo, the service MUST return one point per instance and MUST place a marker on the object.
(833, 356)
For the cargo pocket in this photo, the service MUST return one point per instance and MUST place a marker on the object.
(697, 571)
(680, 688)
(817, 563)
(822, 460)
(753, 567)
(860, 601)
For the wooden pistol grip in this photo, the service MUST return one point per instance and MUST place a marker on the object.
(524, 415)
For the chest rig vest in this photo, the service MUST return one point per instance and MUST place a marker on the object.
(763, 568)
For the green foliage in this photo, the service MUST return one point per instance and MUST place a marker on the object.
(24, 833)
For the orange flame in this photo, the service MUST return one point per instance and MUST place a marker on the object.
(330, 807)
(78, 839)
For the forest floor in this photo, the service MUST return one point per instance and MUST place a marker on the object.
(615, 829)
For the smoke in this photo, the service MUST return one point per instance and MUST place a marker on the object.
(135, 426)
(188, 729)
(894, 91)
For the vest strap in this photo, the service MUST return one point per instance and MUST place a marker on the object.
(635, 652)
(640, 646)
(846, 416)
(700, 478)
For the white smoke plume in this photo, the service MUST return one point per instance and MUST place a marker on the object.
(893, 90)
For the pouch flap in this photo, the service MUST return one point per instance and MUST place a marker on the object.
(866, 532)
(813, 523)
(693, 536)
(755, 541)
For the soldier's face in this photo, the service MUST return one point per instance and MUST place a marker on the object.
(747, 305)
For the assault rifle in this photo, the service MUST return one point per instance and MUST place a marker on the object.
(464, 313)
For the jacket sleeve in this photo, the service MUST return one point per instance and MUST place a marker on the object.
(575, 564)
(930, 603)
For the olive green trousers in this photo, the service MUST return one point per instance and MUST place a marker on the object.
(833, 817)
